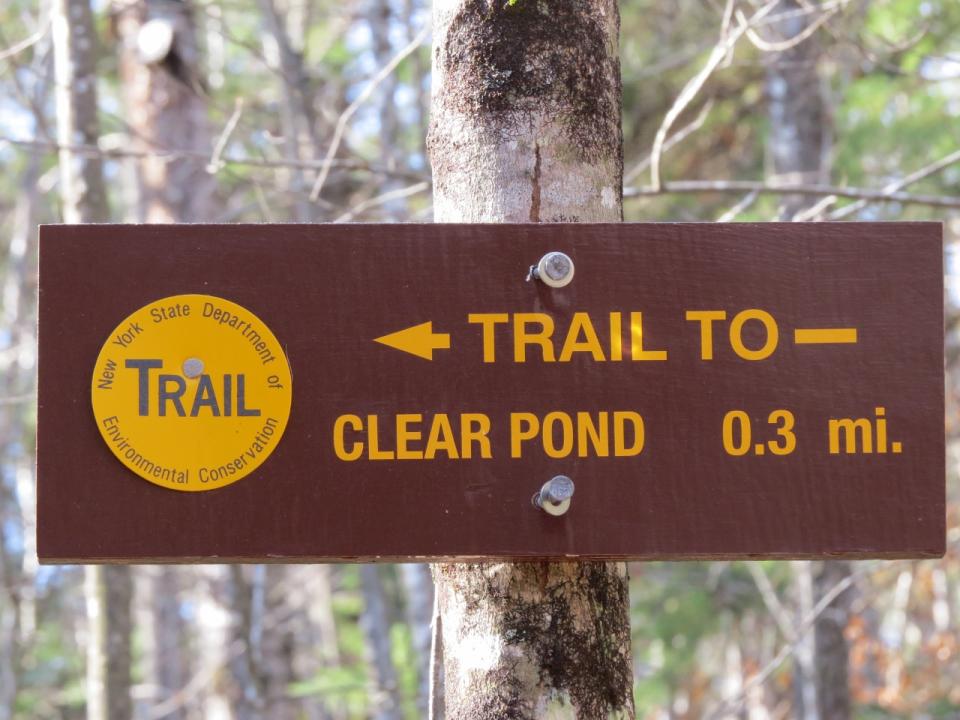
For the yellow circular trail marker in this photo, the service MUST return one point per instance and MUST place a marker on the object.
(192, 392)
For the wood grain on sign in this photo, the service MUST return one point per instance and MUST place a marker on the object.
(712, 390)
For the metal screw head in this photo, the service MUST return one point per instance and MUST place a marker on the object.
(557, 489)
(555, 269)
(193, 367)
(554, 497)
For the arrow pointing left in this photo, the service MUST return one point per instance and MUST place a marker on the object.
(419, 340)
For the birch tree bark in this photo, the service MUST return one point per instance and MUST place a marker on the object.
(83, 191)
(18, 566)
(525, 127)
(82, 188)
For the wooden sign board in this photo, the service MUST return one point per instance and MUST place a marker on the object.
(341, 392)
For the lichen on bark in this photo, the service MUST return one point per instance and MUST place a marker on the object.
(512, 80)
(537, 56)
(522, 639)
(525, 127)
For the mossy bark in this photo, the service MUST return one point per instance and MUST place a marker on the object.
(525, 127)
(534, 640)
(525, 116)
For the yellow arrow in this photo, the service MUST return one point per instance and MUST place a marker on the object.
(419, 340)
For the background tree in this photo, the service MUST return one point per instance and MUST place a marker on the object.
(84, 196)
(164, 105)
(709, 639)
(800, 150)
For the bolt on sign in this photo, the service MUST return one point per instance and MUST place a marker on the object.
(340, 392)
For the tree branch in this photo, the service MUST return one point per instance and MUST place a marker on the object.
(216, 159)
(24, 44)
(895, 186)
(355, 105)
(731, 706)
(745, 186)
(386, 197)
(781, 46)
(719, 53)
(124, 152)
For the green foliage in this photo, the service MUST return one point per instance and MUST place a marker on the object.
(672, 610)
(405, 662)
(345, 687)
(890, 74)
(52, 670)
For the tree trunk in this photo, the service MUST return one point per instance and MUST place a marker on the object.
(375, 621)
(799, 151)
(277, 646)
(525, 127)
(804, 656)
(167, 112)
(82, 188)
(308, 595)
(799, 129)
(169, 673)
(108, 589)
(525, 117)
(18, 565)
(164, 92)
(418, 612)
(382, 22)
(832, 652)
(247, 605)
(296, 112)
(209, 642)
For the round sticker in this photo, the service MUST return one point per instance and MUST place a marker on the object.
(192, 392)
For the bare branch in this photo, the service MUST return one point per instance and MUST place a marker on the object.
(125, 152)
(741, 205)
(386, 197)
(18, 399)
(24, 44)
(678, 137)
(719, 53)
(745, 186)
(814, 211)
(893, 187)
(725, 21)
(215, 159)
(689, 53)
(770, 599)
(783, 45)
(42, 77)
(731, 706)
(355, 105)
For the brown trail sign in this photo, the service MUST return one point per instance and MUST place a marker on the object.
(301, 393)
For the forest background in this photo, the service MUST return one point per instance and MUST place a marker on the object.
(317, 111)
